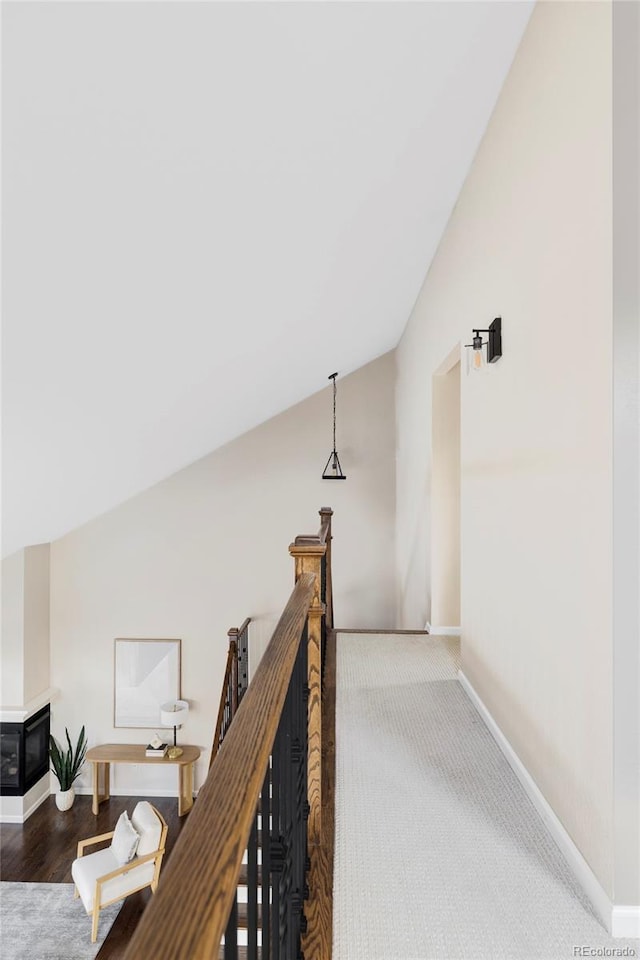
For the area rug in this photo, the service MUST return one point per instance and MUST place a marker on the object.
(42, 921)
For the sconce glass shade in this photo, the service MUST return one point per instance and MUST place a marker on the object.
(477, 355)
(476, 358)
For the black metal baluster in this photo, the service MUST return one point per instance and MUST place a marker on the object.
(296, 758)
(323, 621)
(290, 925)
(302, 807)
(267, 833)
(305, 756)
(231, 933)
(243, 662)
(252, 894)
(285, 798)
(303, 776)
(276, 851)
(283, 810)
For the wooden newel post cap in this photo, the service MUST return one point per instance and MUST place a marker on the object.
(307, 547)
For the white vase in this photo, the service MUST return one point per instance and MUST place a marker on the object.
(65, 798)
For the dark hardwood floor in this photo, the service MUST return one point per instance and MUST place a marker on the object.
(43, 849)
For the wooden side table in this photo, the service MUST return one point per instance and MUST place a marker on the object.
(103, 756)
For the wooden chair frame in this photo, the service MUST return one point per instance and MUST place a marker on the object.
(156, 856)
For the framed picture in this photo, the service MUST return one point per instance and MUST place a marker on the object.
(146, 674)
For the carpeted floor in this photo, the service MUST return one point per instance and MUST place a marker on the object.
(439, 853)
(42, 921)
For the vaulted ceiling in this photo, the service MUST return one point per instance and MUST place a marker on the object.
(208, 208)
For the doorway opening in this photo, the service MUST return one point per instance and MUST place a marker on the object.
(445, 497)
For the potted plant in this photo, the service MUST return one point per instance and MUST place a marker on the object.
(66, 765)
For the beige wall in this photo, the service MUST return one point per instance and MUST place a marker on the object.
(445, 498)
(25, 625)
(12, 672)
(626, 451)
(199, 552)
(530, 240)
(36, 621)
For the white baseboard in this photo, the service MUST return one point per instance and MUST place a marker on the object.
(34, 806)
(13, 809)
(625, 922)
(620, 921)
(442, 631)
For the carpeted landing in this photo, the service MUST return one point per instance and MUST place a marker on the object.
(438, 851)
(42, 921)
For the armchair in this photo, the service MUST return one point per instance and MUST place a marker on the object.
(101, 878)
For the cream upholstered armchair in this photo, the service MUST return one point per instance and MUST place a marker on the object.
(130, 863)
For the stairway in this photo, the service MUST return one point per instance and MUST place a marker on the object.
(242, 900)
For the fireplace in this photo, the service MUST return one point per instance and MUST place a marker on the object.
(24, 753)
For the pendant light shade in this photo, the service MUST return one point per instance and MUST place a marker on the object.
(333, 470)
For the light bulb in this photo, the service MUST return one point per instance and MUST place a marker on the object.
(477, 361)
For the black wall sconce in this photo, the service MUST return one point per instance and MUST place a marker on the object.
(333, 470)
(493, 344)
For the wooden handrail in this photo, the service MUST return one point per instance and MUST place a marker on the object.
(236, 631)
(321, 536)
(186, 918)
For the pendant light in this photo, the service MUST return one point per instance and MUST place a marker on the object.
(333, 470)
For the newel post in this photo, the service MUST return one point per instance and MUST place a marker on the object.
(325, 522)
(308, 553)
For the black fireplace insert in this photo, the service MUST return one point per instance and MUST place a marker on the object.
(24, 753)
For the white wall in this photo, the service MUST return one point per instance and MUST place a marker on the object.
(530, 240)
(199, 552)
(25, 625)
(626, 450)
(12, 667)
(36, 620)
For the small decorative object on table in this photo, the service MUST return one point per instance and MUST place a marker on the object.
(156, 748)
(66, 765)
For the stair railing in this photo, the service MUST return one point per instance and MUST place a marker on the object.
(267, 774)
(241, 635)
(234, 685)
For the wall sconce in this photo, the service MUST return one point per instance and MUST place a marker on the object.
(493, 345)
(333, 470)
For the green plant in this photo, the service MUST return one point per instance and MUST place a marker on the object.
(65, 763)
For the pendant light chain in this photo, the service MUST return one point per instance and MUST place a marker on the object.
(334, 414)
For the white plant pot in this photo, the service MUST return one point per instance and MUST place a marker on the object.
(65, 798)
